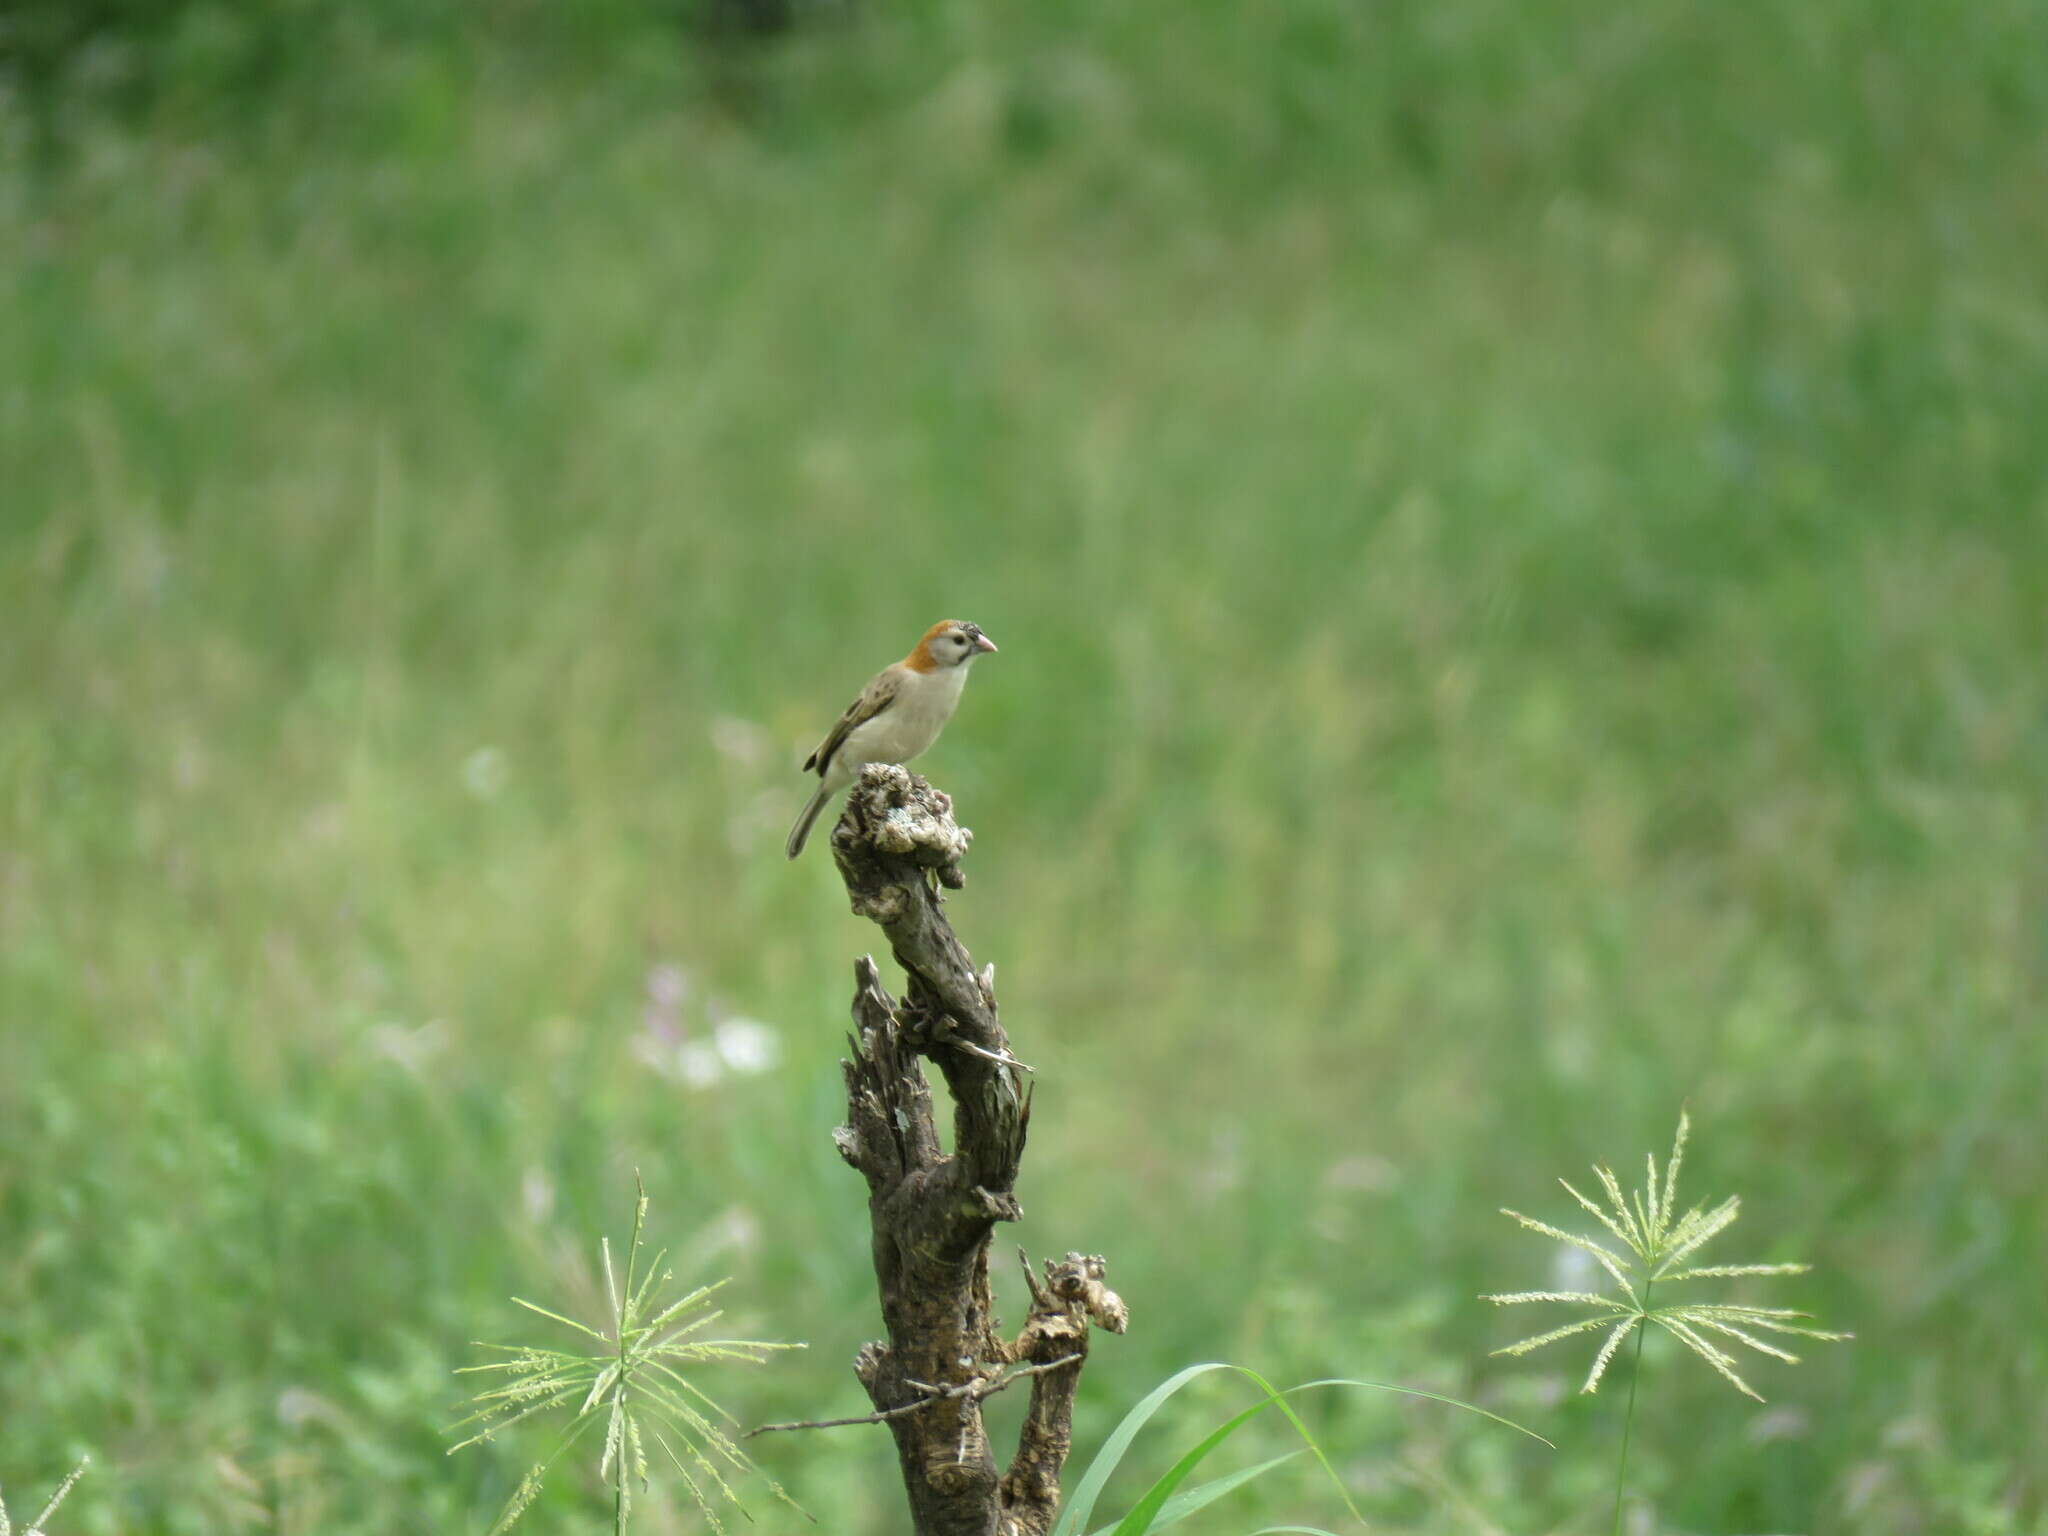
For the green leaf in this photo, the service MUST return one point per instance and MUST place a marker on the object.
(1181, 1505)
(1150, 1512)
(1074, 1518)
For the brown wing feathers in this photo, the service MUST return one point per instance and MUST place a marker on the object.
(871, 702)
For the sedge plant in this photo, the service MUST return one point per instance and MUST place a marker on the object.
(1654, 1245)
(628, 1375)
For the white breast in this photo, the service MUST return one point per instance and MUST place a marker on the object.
(909, 725)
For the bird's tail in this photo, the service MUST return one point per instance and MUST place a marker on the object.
(801, 832)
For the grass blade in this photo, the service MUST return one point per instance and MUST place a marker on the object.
(1074, 1517)
(1144, 1515)
(1202, 1495)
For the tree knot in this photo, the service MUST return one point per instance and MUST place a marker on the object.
(1077, 1279)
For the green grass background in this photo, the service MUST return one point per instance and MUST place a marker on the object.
(1519, 538)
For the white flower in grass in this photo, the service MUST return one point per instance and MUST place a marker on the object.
(537, 1195)
(1652, 1245)
(485, 772)
(734, 1046)
(698, 1064)
(748, 1046)
(412, 1048)
(668, 984)
(741, 741)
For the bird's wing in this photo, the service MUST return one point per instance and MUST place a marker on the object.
(874, 698)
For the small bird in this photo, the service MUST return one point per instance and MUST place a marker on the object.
(898, 715)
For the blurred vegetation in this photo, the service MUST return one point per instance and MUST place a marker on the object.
(1519, 538)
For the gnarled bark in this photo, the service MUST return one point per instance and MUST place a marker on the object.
(933, 1211)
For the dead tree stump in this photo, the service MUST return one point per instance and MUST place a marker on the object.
(934, 1211)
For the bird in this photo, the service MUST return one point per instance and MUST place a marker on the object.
(898, 715)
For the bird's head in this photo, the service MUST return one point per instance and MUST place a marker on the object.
(949, 643)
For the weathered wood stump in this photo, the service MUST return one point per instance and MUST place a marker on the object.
(933, 1211)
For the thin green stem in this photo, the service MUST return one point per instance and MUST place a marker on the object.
(1628, 1423)
(619, 1466)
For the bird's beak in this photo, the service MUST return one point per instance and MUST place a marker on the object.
(983, 643)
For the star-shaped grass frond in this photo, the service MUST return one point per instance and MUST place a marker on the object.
(628, 1377)
(1651, 1245)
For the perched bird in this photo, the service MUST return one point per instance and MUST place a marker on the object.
(897, 715)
